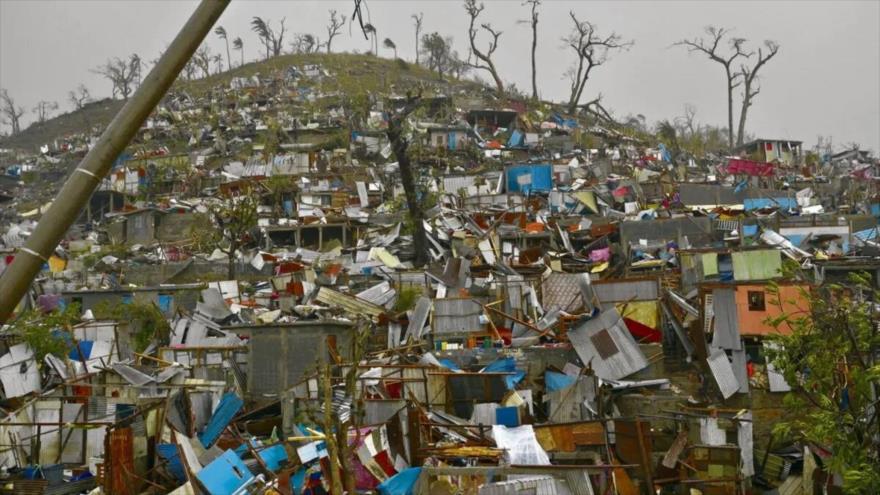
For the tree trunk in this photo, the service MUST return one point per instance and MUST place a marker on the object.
(417, 47)
(416, 215)
(228, 54)
(534, 47)
(729, 109)
(743, 113)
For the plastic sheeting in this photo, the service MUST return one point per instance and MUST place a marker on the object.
(521, 445)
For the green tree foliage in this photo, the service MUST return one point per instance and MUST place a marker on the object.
(829, 357)
(228, 224)
(144, 320)
(43, 331)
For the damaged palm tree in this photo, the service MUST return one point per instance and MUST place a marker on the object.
(397, 134)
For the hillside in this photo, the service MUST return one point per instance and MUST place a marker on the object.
(351, 74)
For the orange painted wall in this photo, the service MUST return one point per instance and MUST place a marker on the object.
(752, 322)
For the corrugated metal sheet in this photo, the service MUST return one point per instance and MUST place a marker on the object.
(347, 302)
(627, 359)
(456, 316)
(627, 290)
(697, 229)
(453, 184)
(723, 373)
(726, 335)
(419, 318)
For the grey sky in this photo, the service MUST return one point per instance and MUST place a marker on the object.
(825, 81)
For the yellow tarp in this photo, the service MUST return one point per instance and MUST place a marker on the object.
(56, 264)
(588, 199)
(645, 312)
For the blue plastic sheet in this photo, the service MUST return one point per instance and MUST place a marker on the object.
(554, 381)
(506, 365)
(402, 483)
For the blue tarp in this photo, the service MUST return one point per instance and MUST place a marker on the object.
(401, 483)
(169, 452)
(557, 381)
(757, 203)
(506, 365)
(448, 364)
(875, 209)
(525, 178)
(868, 234)
(507, 416)
(82, 351)
(165, 301)
(229, 406)
(225, 475)
(750, 230)
(516, 139)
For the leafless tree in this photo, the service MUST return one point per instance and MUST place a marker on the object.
(79, 96)
(592, 51)
(397, 135)
(750, 84)
(11, 112)
(272, 40)
(533, 21)
(712, 46)
(687, 124)
(221, 32)
(44, 109)
(202, 60)
(483, 59)
(237, 44)
(335, 27)
(418, 21)
(122, 74)
(390, 45)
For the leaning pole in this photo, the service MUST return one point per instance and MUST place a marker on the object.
(83, 181)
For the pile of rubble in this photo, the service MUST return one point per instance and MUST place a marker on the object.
(590, 320)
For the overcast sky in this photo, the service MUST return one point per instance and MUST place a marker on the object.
(825, 80)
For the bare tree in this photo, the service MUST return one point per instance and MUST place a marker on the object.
(44, 109)
(483, 59)
(221, 32)
(11, 112)
(122, 75)
(390, 45)
(750, 84)
(335, 27)
(533, 21)
(79, 96)
(272, 40)
(418, 21)
(592, 51)
(712, 48)
(397, 134)
(136, 65)
(202, 60)
(237, 44)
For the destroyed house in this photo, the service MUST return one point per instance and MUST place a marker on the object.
(454, 137)
(168, 298)
(784, 151)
